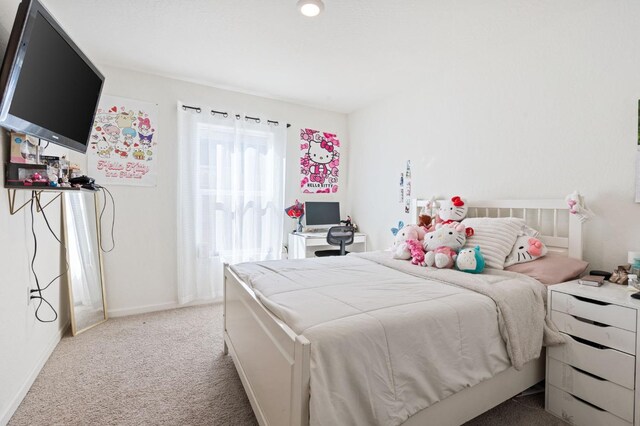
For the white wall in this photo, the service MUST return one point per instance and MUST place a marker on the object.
(25, 343)
(507, 113)
(141, 271)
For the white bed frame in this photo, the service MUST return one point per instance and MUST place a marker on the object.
(273, 362)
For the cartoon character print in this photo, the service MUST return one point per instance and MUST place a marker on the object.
(104, 148)
(122, 148)
(112, 132)
(125, 119)
(145, 132)
(320, 155)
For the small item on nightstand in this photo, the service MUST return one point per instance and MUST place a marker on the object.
(633, 283)
(619, 276)
(604, 274)
(591, 280)
(636, 295)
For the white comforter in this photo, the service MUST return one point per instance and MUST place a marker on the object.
(386, 343)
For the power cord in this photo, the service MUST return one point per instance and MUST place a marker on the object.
(105, 191)
(39, 290)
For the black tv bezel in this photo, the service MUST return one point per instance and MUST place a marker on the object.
(18, 44)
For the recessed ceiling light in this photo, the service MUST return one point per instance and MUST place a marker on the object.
(310, 8)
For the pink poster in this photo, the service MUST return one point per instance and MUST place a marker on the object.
(319, 161)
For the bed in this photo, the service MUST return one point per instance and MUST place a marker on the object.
(274, 359)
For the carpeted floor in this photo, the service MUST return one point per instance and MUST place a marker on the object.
(167, 368)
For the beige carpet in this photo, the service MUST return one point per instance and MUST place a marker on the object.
(167, 368)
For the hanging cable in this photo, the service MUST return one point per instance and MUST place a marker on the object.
(39, 290)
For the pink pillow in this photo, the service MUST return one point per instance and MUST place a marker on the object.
(551, 269)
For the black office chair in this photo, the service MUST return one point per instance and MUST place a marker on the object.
(338, 236)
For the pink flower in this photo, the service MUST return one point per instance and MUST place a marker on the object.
(304, 146)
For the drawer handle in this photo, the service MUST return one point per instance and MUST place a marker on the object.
(587, 342)
(586, 402)
(588, 321)
(595, 302)
(586, 373)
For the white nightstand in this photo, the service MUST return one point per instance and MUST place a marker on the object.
(591, 380)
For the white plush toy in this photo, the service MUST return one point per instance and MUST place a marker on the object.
(453, 211)
(443, 244)
(400, 248)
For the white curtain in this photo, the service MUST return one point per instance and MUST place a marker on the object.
(230, 197)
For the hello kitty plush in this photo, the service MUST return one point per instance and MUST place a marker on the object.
(525, 250)
(452, 236)
(400, 248)
(470, 260)
(453, 211)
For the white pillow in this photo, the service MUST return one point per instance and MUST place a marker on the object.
(495, 236)
(525, 250)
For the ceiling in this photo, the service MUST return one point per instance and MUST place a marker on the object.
(356, 52)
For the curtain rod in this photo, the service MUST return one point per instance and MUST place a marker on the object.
(238, 116)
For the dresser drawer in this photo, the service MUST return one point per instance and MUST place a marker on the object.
(615, 315)
(612, 337)
(602, 393)
(609, 364)
(577, 412)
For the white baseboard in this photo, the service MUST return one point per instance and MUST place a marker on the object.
(6, 416)
(123, 312)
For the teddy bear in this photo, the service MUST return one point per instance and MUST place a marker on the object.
(442, 245)
(452, 211)
(400, 248)
(470, 260)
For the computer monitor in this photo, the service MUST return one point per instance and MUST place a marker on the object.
(321, 214)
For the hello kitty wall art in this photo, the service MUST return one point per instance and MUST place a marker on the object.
(319, 161)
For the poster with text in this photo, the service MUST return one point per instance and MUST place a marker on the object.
(319, 161)
(123, 145)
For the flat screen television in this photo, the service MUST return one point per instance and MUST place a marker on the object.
(48, 87)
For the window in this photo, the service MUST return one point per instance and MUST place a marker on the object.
(231, 195)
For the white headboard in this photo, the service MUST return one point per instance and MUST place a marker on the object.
(559, 230)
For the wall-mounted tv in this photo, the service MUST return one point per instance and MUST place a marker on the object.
(48, 87)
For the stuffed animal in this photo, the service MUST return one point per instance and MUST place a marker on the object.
(470, 260)
(451, 236)
(525, 249)
(400, 248)
(424, 221)
(452, 211)
(417, 252)
(441, 258)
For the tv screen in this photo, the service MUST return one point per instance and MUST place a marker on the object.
(51, 89)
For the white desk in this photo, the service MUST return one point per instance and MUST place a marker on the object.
(303, 245)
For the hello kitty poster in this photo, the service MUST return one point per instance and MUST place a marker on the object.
(319, 161)
(123, 145)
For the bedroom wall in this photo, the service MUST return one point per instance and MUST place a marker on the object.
(141, 271)
(25, 343)
(529, 105)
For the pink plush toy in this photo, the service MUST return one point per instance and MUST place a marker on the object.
(417, 252)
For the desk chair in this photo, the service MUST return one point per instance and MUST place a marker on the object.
(337, 236)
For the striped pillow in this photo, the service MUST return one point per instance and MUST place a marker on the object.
(495, 236)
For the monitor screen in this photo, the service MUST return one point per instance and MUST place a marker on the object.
(322, 213)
